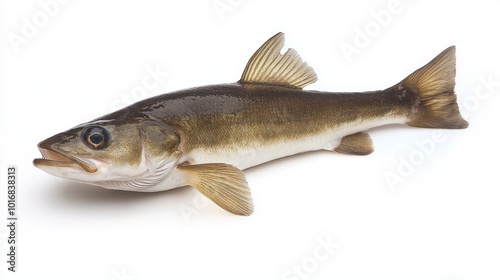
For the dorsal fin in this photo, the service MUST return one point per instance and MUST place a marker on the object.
(268, 66)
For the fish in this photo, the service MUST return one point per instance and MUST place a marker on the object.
(204, 137)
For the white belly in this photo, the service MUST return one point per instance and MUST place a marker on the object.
(245, 156)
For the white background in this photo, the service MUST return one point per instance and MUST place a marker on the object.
(440, 221)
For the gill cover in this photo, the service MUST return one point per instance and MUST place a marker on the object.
(159, 157)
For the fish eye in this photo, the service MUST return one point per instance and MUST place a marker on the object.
(96, 137)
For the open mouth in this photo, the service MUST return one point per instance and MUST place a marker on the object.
(55, 158)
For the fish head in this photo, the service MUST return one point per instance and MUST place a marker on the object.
(116, 155)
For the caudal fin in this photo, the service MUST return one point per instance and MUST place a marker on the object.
(434, 84)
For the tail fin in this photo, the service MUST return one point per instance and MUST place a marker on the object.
(434, 84)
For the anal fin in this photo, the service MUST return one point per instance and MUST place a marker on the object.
(224, 184)
(356, 144)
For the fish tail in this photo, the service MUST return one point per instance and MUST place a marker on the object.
(435, 101)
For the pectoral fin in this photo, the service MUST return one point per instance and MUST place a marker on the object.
(356, 144)
(224, 184)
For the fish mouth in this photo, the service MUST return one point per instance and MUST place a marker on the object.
(54, 158)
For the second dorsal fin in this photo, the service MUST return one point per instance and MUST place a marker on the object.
(269, 66)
